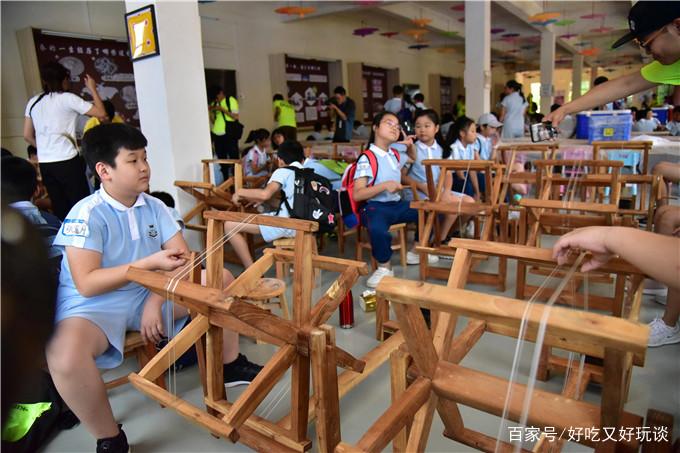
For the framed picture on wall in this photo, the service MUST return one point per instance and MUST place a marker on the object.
(142, 33)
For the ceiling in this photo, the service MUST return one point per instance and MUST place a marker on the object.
(588, 27)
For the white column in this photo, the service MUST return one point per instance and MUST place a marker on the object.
(547, 70)
(477, 75)
(576, 75)
(593, 76)
(172, 100)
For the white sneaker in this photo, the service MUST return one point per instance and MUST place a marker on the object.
(414, 258)
(378, 275)
(661, 334)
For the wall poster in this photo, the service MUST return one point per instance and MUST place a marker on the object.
(308, 90)
(108, 61)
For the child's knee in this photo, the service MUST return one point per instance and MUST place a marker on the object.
(65, 356)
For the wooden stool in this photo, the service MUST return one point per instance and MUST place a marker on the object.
(134, 344)
(267, 289)
(399, 228)
(283, 269)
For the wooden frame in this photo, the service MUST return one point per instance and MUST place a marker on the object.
(305, 343)
(440, 383)
(429, 210)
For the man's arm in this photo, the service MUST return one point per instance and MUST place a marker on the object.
(339, 112)
(656, 255)
(607, 92)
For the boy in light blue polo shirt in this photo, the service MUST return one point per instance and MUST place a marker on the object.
(103, 235)
(290, 153)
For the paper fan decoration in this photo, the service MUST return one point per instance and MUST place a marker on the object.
(389, 34)
(542, 17)
(534, 39)
(495, 31)
(461, 20)
(296, 10)
(590, 52)
(562, 61)
(568, 35)
(594, 16)
(510, 35)
(460, 7)
(421, 21)
(364, 31)
(415, 33)
(601, 29)
(544, 23)
(527, 47)
(565, 22)
(418, 46)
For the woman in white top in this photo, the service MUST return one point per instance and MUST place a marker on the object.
(50, 126)
(646, 122)
(513, 107)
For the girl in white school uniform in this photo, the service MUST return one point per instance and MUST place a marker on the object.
(513, 107)
(377, 182)
(429, 146)
(257, 160)
(462, 137)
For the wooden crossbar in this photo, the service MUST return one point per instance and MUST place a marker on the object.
(569, 205)
(463, 208)
(547, 409)
(577, 162)
(534, 254)
(280, 222)
(577, 326)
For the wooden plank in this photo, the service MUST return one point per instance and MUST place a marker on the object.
(326, 263)
(265, 321)
(464, 208)
(568, 205)
(571, 220)
(187, 410)
(348, 379)
(577, 162)
(418, 338)
(280, 222)
(547, 409)
(616, 364)
(248, 279)
(333, 297)
(399, 362)
(533, 254)
(194, 185)
(175, 348)
(448, 164)
(574, 325)
(255, 429)
(260, 387)
(480, 441)
(327, 415)
(395, 417)
(463, 343)
(347, 448)
(214, 337)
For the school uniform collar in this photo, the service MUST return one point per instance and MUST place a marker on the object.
(377, 150)
(424, 147)
(457, 144)
(295, 164)
(117, 205)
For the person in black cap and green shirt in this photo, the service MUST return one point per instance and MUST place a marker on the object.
(655, 27)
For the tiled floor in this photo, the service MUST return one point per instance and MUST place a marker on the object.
(152, 429)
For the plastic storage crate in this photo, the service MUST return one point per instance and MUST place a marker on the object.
(661, 114)
(604, 125)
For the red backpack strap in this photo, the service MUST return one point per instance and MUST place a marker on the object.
(396, 154)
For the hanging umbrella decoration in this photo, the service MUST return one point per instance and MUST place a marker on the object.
(495, 31)
(295, 10)
(590, 52)
(418, 46)
(544, 19)
(416, 33)
(602, 28)
(389, 34)
(364, 31)
(459, 7)
(421, 21)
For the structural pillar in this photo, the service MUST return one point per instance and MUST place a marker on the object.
(547, 70)
(593, 76)
(576, 75)
(477, 75)
(172, 99)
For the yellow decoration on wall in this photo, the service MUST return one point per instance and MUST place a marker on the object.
(142, 33)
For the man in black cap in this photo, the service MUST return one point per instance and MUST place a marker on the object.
(655, 27)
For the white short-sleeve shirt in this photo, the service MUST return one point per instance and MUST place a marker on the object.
(513, 122)
(259, 157)
(389, 169)
(54, 119)
(286, 178)
(460, 152)
(121, 234)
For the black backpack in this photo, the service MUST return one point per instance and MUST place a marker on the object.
(312, 199)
